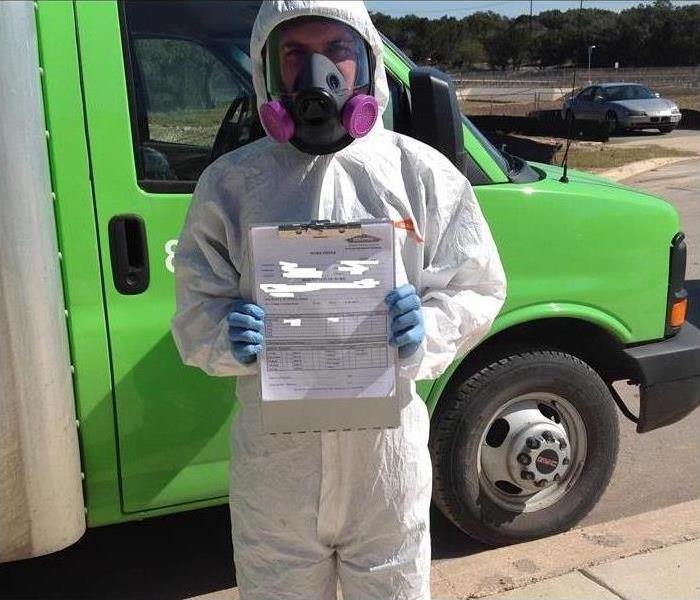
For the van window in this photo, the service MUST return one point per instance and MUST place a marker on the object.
(187, 90)
(190, 89)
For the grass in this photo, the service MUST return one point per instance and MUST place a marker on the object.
(691, 101)
(608, 156)
(202, 117)
(197, 127)
(510, 109)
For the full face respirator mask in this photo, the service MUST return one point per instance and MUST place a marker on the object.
(319, 85)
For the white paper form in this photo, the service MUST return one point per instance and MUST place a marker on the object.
(326, 323)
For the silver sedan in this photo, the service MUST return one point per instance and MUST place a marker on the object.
(623, 106)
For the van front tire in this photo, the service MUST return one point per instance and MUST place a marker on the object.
(523, 448)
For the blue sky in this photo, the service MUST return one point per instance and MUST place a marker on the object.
(458, 8)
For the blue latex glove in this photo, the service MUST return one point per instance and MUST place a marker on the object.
(407, 330)
(245, 330)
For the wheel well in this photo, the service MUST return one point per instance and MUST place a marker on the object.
(587, 341)
(597, 347)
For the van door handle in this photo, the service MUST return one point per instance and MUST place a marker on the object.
(129, 254)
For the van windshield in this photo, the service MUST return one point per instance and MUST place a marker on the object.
(498, 156)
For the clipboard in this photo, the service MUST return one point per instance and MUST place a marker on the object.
(326, 363)
(319, 229)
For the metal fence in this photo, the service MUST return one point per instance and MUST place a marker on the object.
(678, 77)
(524, 91)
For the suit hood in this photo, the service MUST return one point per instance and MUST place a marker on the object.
(352, 13)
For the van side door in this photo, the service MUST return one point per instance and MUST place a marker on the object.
(159, 80)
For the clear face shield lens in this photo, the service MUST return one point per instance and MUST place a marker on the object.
(314, 52)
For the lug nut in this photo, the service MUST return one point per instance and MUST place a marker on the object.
(533, 443)
(527, 475)
(547, 436)
(562, 444)
(524, 459)
(565, 461)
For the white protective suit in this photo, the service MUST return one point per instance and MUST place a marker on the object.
(308, 508)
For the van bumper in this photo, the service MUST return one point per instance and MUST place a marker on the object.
(669, 378)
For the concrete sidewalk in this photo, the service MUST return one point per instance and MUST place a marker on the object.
(582, 555)
(671, 573)
(653, 555)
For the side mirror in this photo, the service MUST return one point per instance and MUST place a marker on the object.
(435, 116)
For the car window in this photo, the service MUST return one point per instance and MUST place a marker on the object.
(643, 93)
(616, 92)
(629, 92)
(586, 94)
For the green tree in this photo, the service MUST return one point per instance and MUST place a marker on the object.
(468, 53)
(658, 34)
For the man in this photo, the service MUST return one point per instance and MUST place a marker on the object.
(310, 508)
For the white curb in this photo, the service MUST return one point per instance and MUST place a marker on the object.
(640, 166)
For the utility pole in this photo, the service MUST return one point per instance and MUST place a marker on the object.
(529, 36)
(590, 52)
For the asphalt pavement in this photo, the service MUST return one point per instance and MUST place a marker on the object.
(190, 554)
(660, 468)
(679, 183)
(682, 139)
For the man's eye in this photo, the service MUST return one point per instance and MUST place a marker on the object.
(340, 50)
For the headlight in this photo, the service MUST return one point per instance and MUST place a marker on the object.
(675, 111)
(636, 113)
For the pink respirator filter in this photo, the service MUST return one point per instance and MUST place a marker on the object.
(277, 121)
(360, 114)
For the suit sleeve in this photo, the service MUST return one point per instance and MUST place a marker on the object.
(462, 284)
(206, 284)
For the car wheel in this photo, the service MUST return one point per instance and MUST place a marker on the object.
(523, 448)
(665, 129)
(611, 120)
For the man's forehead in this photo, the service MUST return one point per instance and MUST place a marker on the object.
(316, 30)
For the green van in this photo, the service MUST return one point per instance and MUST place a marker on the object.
(109, 112)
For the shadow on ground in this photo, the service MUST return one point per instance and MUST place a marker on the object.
(638, 133)
(448, 541)
(168, 557)
(178, 556)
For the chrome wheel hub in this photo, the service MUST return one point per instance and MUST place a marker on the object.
(539, 456)
(531, 451)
